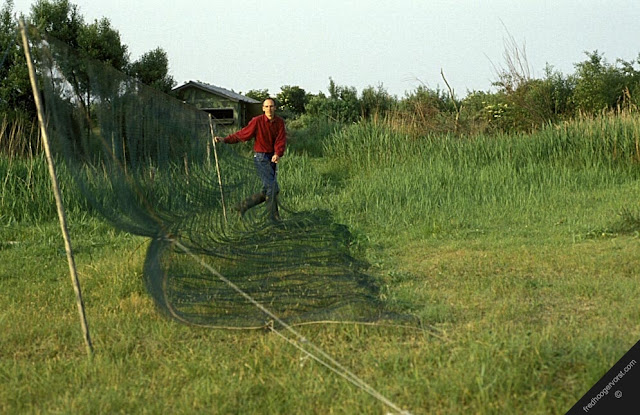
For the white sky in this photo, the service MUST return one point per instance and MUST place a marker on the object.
(251, 44)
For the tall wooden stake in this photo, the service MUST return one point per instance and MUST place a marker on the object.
(56, 189)
(215, 153)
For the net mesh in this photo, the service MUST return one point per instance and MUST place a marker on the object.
(145, 161)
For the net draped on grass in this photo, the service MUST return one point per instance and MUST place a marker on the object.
(145, 161)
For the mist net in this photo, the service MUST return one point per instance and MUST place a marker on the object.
(146, 162)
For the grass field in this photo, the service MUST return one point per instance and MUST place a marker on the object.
(518, 253)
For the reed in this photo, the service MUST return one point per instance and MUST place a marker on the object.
(19, 138)
(25, 190)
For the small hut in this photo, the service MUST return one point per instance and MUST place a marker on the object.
(226, 107)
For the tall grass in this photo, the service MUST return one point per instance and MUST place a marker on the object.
(19, 138)
(447, 183)
(372, 173)
(26, 194)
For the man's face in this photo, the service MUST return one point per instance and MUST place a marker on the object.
(269, 108)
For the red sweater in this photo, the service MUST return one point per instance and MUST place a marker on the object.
(270, 135)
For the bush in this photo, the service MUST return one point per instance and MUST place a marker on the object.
(601, 86)
(376, 102)
(426, 110)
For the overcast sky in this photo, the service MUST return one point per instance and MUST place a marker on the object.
(250, 44)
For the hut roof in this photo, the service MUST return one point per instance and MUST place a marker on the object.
(218, 91)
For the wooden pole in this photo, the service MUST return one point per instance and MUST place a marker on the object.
(215, 154)
(56, 189)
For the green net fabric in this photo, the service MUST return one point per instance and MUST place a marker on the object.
(146, 163)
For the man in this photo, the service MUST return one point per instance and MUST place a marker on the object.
(269, 146)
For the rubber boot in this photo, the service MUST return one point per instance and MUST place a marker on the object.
(251, 201)
(272, 206)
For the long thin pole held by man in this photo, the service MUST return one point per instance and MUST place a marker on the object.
(215, 155)
(56, 190)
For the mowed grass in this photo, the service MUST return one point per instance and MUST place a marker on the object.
(519, 254)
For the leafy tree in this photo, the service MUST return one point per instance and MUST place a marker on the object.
(316, 106)
(375, 101)
(632, 76)
(16, 99)
(560, 89)
(258, 94)
(58, 18)
(101, 42)
(153, 69)
(598, 85)
(292, 99)
(342, 104)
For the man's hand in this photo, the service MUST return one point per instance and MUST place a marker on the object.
(275, 158)
(219, 139)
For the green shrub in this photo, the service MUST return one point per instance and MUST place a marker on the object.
(599, 85)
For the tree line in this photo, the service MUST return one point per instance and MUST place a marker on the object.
(518, 101)
(62, 20)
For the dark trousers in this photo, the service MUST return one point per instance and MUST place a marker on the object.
(267, 173)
